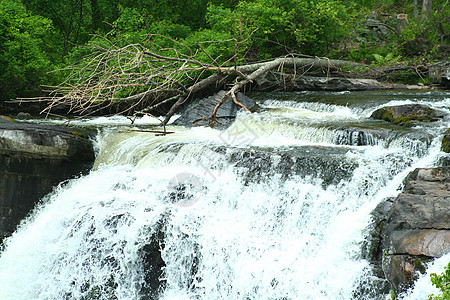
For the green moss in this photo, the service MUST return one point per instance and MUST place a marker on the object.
(8, 119)
(399, 120)
(79, 134)
(420, 264)
(405, 116)
(446, 142)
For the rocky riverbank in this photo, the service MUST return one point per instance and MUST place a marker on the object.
(417, 227)
(33, 160)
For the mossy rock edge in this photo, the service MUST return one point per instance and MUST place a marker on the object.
(406, 115)
(446, 142)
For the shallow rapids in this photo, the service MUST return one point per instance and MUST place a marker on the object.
(274, 207)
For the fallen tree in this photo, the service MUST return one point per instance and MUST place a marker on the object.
(136, 79)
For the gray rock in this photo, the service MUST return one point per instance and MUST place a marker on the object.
(23, 116)
(289, 82)
(418, 226)
(33, 160)
(446, 142)
(200, 113)
(407, 114)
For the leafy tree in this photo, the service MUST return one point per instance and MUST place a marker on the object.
(25, 56)
(282, 26)
(75, 20)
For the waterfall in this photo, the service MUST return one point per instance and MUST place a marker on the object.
(274, 207)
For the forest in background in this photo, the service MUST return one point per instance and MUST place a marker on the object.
(38, 37)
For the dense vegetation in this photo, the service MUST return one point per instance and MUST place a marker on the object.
(38, 36)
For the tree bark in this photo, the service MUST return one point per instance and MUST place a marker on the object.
(416, 11)
(427, 6)
(95, 16)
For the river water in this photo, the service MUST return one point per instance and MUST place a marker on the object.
(277, 206)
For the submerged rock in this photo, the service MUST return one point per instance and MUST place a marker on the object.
(33, 160)
(418, 226)
(407, 114)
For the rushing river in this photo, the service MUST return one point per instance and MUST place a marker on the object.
(275, 207)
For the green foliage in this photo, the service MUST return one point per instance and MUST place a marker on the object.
(442, 282)
(280, 27)
(389, 59)
(25, 56)
(41, 38)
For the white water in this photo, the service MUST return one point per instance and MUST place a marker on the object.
(238, 227)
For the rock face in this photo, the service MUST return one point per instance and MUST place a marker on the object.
(200, 113)
(289, 82)
(407, 115)
(440, 73)
(417, 229)
(34, 159)
(446, 142)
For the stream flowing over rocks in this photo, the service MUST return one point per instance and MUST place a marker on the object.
(307, 197)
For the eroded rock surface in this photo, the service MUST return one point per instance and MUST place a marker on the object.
(33, 160)
(199, 114)
(418, 226)
(407, 114)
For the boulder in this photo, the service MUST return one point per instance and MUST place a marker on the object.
(33, 160)
(407, 114)
(199, 114)
(446, 142)
(417, 228)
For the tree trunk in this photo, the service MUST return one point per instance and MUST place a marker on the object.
(416, 11)
(427, 6)
(95, 16)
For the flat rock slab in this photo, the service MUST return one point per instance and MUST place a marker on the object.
(428, 242)
(289, 82)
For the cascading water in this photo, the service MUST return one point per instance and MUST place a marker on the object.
(275, 207)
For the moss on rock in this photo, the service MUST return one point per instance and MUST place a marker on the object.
(446, 142)
(406, 115)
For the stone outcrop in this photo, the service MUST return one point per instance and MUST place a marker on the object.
(199, 113)
(289, 82)
(33, 160)
(417, 228)
(407, 114)
(446, 142)
(440, 73)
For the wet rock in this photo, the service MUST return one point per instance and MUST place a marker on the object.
(153, 264)
(446, 142)
(200, 113)
(23, 116)
(418, 226)
(407, 114)
(33, 160)
(358, 136)
(376, 285)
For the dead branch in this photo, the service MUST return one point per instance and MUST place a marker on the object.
(137, 79)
